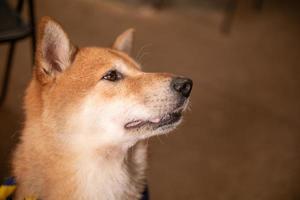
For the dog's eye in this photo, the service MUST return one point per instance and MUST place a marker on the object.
(112, 75)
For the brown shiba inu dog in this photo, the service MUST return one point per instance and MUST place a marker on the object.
(88, 112)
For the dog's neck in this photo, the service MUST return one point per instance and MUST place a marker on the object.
(113, 172)
(110, 170)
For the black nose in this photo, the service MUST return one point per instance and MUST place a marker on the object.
(182, 85)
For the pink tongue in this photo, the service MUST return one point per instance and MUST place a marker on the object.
(155, 120)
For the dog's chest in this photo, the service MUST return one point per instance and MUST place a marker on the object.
(103, 180)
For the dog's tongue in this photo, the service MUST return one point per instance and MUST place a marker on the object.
(155, 120)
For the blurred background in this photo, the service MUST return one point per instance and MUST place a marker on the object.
(241, 138)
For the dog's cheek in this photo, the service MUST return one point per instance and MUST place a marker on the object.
(94, 120)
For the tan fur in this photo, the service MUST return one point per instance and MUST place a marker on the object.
(59, 155)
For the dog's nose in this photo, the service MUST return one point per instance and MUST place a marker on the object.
(182, 85)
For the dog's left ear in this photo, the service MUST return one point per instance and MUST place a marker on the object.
(124, 42)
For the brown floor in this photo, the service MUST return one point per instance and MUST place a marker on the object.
(241, 138)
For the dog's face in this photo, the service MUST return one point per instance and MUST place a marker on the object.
(101, 95)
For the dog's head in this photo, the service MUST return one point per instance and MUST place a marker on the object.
(101, 94)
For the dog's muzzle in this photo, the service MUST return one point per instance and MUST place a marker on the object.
(182, 87)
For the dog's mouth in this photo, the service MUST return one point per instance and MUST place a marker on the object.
(167, 119)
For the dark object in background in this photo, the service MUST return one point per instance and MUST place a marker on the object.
(12, 29)
(230, 9)
(229, 6)
(157, 4)
(258, 4)
(146, 194)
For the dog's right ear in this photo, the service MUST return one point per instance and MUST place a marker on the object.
(55, 52)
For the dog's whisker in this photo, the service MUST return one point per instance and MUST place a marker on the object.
(189, 107)
(141, 50)
(159, 139)
(140, 59)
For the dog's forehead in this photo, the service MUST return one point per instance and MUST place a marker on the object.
(125, 58)
(106, 58)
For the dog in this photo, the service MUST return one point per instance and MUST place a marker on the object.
(88, 112)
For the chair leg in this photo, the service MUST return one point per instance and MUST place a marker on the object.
(33, 43)
(7, 73)
(32, 23)
(258, 4)
(230, 9)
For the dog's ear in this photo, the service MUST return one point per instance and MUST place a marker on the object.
(124, 42)
(55, 52)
